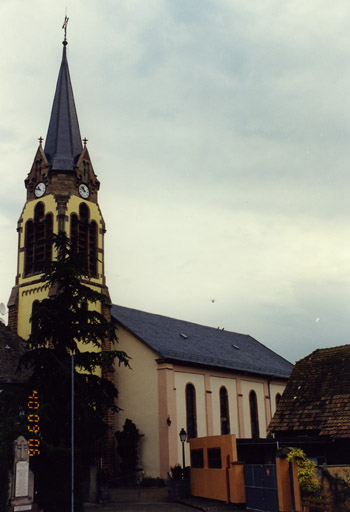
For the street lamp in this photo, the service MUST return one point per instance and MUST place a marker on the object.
(183, 437)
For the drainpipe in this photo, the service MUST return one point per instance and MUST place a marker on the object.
(268, 387)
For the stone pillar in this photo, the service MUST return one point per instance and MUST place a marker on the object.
(240, 409)
(168, 430)
(209, 405)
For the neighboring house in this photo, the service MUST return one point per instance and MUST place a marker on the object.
(12, 347)
(314, 411)
(184, 375)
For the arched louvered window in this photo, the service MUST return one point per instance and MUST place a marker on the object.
(74, 230)
(84, 239)
(29, 248)
(254, 418)
(48, 238)
(93, 249)
(83, 234)
(191, 415)
(38, 243)
(224, 412)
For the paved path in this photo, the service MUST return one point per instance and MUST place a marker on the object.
(139, 507)
(155, 500)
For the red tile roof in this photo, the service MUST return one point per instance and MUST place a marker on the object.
(316, 400)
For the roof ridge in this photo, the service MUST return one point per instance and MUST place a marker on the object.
(216, 329)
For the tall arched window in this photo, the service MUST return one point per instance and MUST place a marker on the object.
(38, 243)
(254, 418)
(277, 398)
(191, 416)
(224, 412)
(83, 235)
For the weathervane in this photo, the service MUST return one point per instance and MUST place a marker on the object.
(64, 26)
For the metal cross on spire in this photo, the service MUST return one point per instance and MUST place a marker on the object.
(64, 26)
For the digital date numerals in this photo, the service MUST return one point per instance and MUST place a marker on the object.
(33, 424)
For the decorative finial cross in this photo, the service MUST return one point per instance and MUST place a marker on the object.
(85, 141)
(64, 26)
(40, 139)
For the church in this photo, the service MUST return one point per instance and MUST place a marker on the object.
(183, 375)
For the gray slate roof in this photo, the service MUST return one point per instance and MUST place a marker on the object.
(11, 349)
(183, 341)
(63, 141)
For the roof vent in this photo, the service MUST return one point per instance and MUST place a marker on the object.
(183, 336)
(236, 347)
(7, 347)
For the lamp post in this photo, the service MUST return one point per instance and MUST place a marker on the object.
(183, 437)
(72, 433)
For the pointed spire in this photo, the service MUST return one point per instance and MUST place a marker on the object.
(63, 141)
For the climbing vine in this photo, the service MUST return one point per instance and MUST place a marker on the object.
(306, 472)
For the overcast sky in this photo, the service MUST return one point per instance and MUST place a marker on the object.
(219, 130)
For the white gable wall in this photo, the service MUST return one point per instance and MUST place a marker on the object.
(138, 397)
(149, 401)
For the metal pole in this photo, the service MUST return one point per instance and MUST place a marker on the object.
(183, 455)
(72, 436)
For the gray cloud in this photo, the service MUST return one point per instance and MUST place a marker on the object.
(219, 131)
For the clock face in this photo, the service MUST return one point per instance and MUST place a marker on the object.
(40, 189)
(84, 191)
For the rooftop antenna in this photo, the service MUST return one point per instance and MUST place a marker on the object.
(64, 26)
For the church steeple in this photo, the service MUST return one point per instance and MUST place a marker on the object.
(62, 195)
(63, 144)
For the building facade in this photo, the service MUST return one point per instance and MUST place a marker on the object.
(184, 375)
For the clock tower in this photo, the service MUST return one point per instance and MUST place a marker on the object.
(62, 195)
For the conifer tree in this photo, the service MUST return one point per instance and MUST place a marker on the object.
(67, 323)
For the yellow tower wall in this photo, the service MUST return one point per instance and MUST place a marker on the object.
(30, 287)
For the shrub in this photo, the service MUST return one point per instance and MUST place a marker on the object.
(148, 481)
